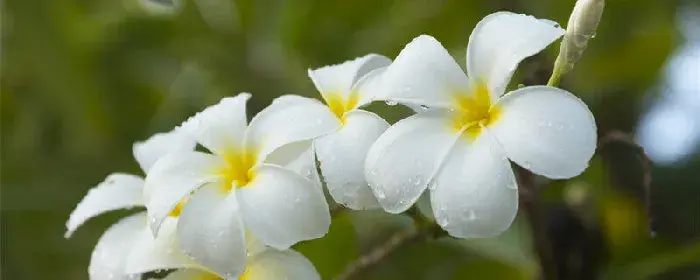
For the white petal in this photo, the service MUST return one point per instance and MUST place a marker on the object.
(281, 265)
(108, 259)
(160, 144)
(282, 208)
(369, 86)
(118, 191)
(286, 122)
(500, 41)
(211, 231)
(475, 193)
(190, 274)
(546, 130)
(340, 78)
(298, 157)
(220, 127)
(342, 157)
(175, 176)
(161, 252)
(403, 160)
(424, 73)
(254, 245)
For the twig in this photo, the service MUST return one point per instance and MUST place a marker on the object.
(420, 232)
(529, 201)
(617, 136)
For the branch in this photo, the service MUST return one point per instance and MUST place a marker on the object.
(414, 234)
(529, 201)
(621, 137)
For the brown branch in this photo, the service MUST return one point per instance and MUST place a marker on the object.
(529, 202)
(413, 234)
(621, 137)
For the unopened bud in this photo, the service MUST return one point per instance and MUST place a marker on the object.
(582, 26)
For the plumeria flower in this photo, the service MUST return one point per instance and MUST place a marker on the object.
(128, 248)
(242, 184)
(460, 148)
(345, 88)
(268, 264)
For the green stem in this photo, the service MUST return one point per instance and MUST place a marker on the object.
(556, 74)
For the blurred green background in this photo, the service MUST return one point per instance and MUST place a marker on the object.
(81, 80)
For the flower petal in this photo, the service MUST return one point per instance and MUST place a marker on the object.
(289, 121)
(340, 78)
(220, 127)
(500, 41)
(342, 157)
(475, 193)
(175, 176)
(546, 130)
(118, 191)
(298, 157)
(211, 231)
(156, 253)
(369, 86)
(108, 259)
(281, 265)
(405, 158)
(282, 208)
(424, 73)
(147, 152)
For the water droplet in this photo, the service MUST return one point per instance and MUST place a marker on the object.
(424, 108)
(391, 102)
(431, 185)
(380, 193)
(594, 34)
(417, 181)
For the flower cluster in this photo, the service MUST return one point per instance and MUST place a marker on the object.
(234, 209)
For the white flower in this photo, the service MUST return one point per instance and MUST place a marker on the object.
(345, 88)
(242, 184)
(460, 148)
(127, 248)
(269, 264)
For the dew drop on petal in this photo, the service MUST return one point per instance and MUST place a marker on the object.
(431, 185)
(380, 193)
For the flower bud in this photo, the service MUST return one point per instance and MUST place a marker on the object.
(581, 27)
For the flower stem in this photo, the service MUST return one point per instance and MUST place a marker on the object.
(556, 74)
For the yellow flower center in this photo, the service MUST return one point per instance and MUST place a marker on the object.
(474, 112)
(340, 105)
(238, 170)
(211, 276)
(178, 208)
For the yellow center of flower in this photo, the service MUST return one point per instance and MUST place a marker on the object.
(474, 112)
(238, 170)
(211, 276)
(178, 208)
(339, 105)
